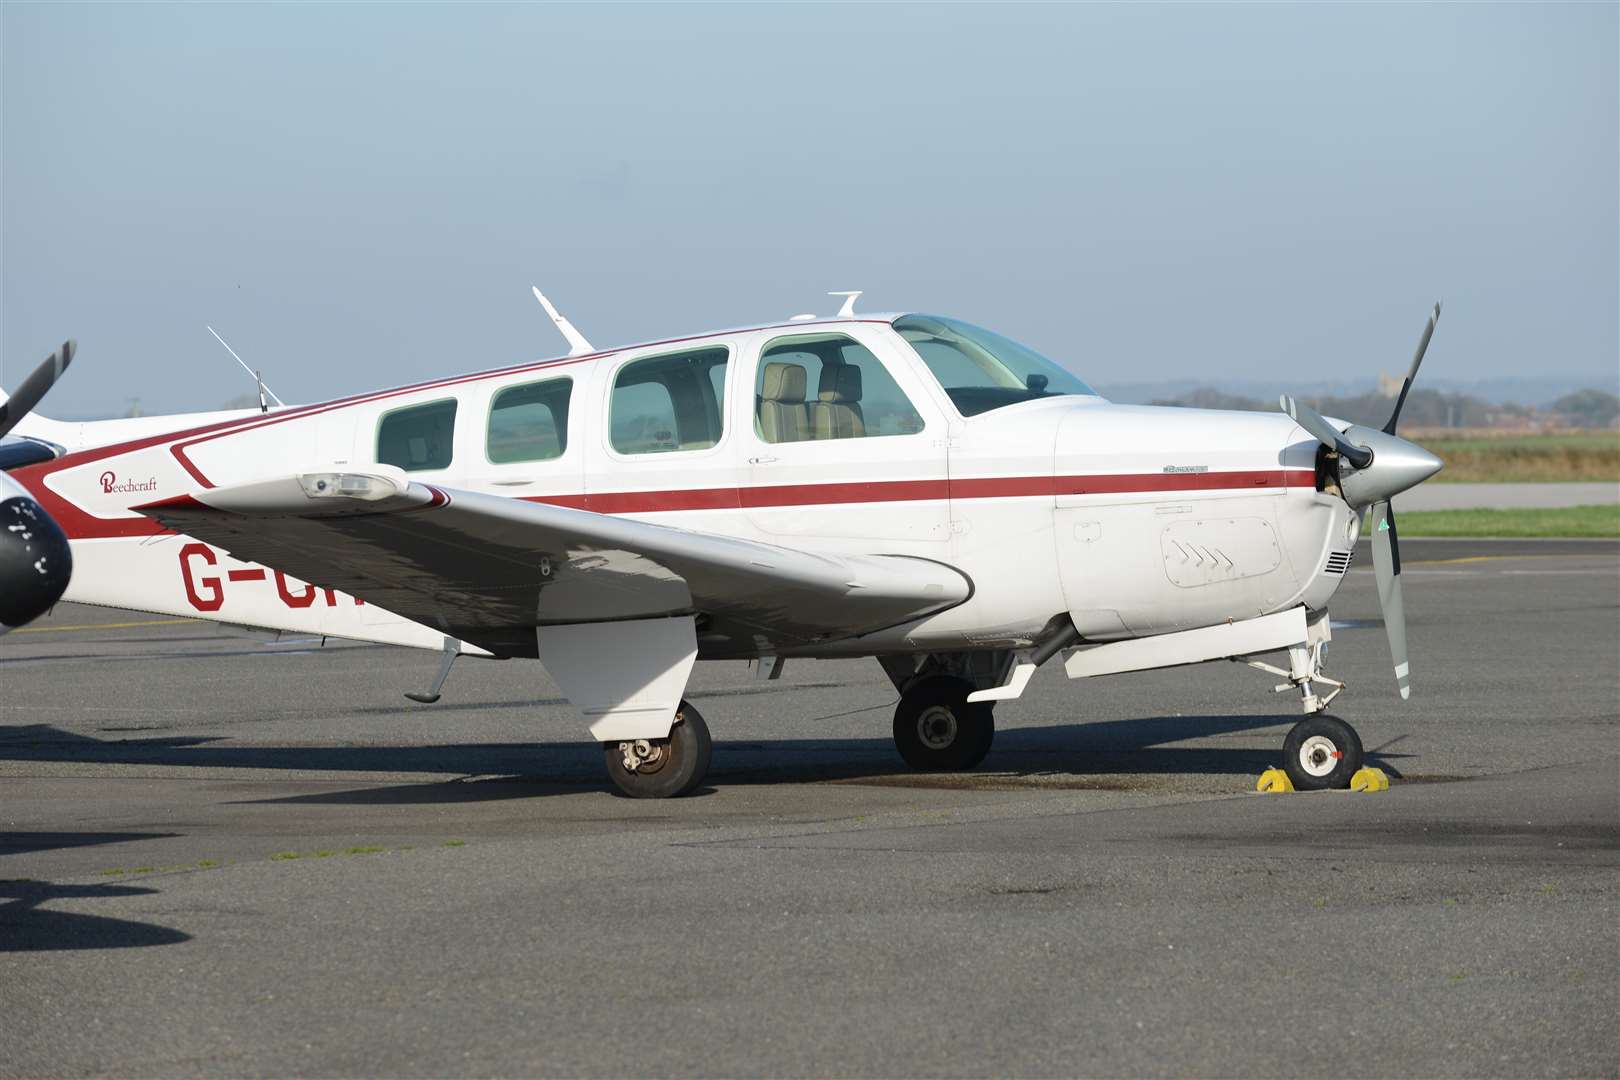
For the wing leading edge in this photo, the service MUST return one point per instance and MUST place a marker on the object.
(489, 570)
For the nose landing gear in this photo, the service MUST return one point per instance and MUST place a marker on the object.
(1321, 752)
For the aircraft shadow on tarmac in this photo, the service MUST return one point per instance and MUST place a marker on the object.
(26, 926)
(1104, 754)
(21, 843)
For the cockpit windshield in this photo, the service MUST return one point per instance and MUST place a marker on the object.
(980, 370)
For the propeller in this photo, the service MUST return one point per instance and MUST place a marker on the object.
(1328, 435)
(1387, 565)
(1417, 359)
(1373, 467)
(34, 387)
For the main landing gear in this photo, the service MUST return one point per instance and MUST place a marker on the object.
(936, 728)
(662, 768)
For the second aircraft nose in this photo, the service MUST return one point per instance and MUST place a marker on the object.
(35, 561)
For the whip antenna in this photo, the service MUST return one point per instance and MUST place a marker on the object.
(258, 379)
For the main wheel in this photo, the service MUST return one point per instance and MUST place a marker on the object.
(1321, 752)
(662, 768)
(936, 728)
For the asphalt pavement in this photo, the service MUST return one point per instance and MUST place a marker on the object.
(1509, 496)
(225, 854)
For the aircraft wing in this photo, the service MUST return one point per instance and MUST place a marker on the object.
(488, 569)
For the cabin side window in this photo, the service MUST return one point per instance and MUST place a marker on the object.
(529, 422)
(827, 386)
(669, 403)
(418, 437)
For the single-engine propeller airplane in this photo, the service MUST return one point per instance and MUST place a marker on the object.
(906, 487)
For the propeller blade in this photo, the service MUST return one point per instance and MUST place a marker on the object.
(1328, 435)
(34, 387)
(1423, 347)
(1387, 564)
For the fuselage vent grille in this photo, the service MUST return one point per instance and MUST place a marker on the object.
(1338, 562)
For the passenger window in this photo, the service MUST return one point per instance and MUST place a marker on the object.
(827, 386)
(666, 403)
(419, 437)
(529, 423)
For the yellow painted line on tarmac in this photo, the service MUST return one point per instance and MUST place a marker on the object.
(1491, 558)
(101, 626)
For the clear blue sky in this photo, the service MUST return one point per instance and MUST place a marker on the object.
(359, 195)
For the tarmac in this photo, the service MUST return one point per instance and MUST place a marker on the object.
(1508, 496)
(224, 854)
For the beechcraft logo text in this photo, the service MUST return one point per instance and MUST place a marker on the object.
(111, 485)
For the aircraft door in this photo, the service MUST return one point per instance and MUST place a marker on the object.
(841, 442)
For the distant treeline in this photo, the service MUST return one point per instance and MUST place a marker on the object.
(1433, 409)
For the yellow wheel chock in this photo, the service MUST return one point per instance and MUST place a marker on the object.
(1368, 778)
(1275, 780)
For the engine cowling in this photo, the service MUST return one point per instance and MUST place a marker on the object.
(36, 562)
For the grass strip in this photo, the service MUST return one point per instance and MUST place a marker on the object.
(1530, 459)
(1600, 522)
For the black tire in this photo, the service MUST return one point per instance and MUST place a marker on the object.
(1321, 752)
(669, 767)
(936, 729)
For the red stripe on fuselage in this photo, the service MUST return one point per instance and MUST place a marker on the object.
(889, 491)
(81, 526)
(1210, 481)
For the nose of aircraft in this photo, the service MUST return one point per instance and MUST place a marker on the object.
(35, 561)
(1396, 466)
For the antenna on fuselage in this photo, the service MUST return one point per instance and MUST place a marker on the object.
(577, 345)
(258, 379)
(848, 310)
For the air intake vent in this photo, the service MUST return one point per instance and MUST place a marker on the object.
(1338, 562)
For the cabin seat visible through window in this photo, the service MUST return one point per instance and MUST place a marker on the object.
(783, 415)
(856, 397)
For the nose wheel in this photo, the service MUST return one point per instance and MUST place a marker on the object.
(662, 768)
(1321, 752)
(936, 728)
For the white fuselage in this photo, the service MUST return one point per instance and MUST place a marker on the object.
(1134, 520)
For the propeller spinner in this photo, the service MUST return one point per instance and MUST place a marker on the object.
(1374, 466)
